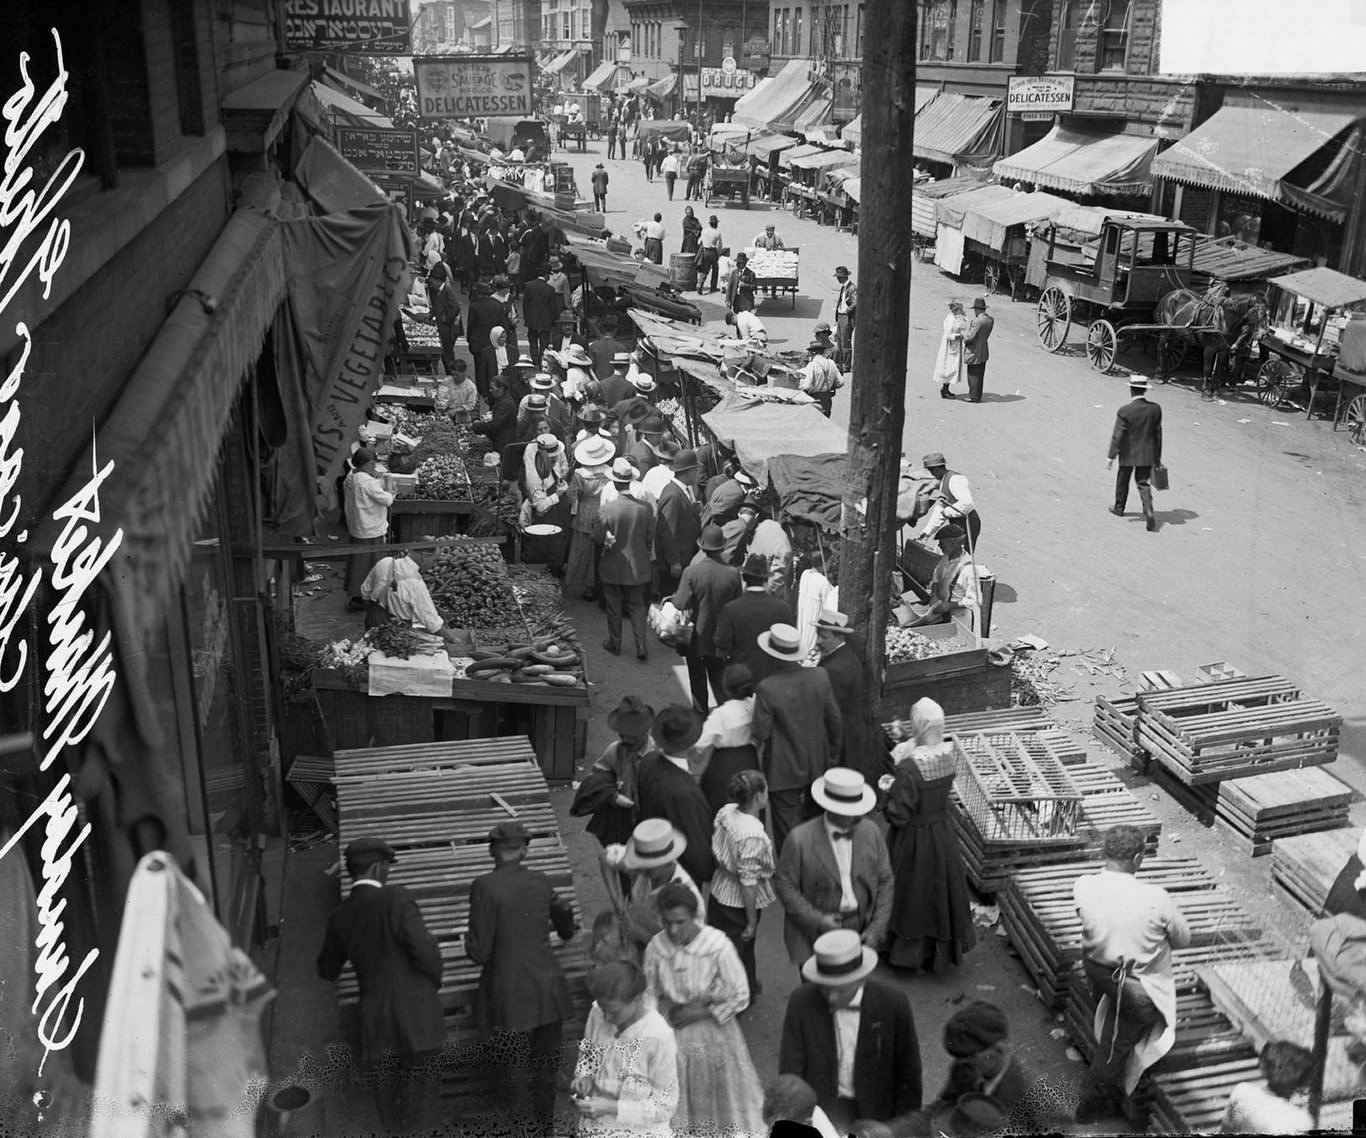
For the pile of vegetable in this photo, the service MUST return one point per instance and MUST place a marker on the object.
(549, 662)
(502, 504)
(538, 594)
(905, 644)
(443, 477)
(352, 657)
(470, 587)
(298, 657)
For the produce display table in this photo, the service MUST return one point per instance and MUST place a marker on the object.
(959, 681)
(775, 271)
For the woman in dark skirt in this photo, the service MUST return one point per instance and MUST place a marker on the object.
(727, 745)
(692, 231)
(931, 925)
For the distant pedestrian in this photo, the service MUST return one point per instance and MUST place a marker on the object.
(709, 255)
(1137, 443)
(612, 131)
(846, 305)
(599, 181)
(669, 167)
(975, 350)
(948, 362)
(654, 239)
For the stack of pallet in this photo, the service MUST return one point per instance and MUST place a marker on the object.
(1265, 807)
(1304, 867)
(435, 804)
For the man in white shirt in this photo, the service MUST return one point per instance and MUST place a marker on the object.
(1128, 930)
(748, 328)
(654, 232)
(954, 590)
(846, 306)
(821, 376)
(367, 505)
(398, 594)
(953, 503)
(709, 256)
(661, 474)
(669, 168)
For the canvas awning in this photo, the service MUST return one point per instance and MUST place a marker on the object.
(561, 61)
(985, 214)
(348, 111)
(923, 96)
(344, 82)
(1077, 160)
(770, 144)
(852, 188)
(1088, 220)
(602, 77)
(758, 432)
(255, 114)
(661, 89)
(819, 112)
(962, 130)
(853, 131)
(790, 155)
(1324, 286)
(823, 160)
(638, 84)
(772, 103)
(1255, 150)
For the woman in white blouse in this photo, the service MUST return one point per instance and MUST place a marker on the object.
(726, 745)
(696, 979)
(742, 887)
(627, 1074)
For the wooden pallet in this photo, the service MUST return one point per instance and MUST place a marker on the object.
(1306, 865)
(1016, 720)
(311, 776)
(1193, 1101)
(1115, 725)
(1216, 731)
(1204, 1034)
(1263, 808)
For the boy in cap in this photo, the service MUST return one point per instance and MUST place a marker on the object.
(523, 996)
(379, 929)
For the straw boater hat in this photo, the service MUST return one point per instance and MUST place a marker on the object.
(842, 790)
(643, 382)
(594, 451)
(631, 716)
(834, 622)
(654, 842)
(676, 728)
(525, 360)
(839, 958)
(1138, 383)
(577, 354)
(623, 471)
(542, 381)
(621, 359)
(537, 402)
(713, 539)
(782, 642)
(547, 441)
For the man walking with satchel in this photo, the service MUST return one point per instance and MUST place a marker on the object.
(1137, 442)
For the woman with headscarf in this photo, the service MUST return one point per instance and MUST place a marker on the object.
(545, 473)
(592, 457)
(931, 923)
(948, 364)
(395, 593)
(692, 231)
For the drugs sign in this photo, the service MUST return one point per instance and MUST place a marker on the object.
(473, 86)
(372, 26)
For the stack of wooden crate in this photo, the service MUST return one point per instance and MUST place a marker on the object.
(1304, 867)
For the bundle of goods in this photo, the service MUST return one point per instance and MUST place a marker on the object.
(549, 662)
(905, 644)
(443, 477)
(470, 587)
(352, 657)
(773, 264)
(437, 437)
(420, 333)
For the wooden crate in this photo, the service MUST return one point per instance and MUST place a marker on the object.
(1016, 789)
(1115, 725)
(1265, 807)
(1215, 731)
(1016, 720)
(1306, 865)
(959, 681)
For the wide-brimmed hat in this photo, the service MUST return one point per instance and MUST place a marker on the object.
(684, 461)
(511, 833)
(592, 414)
(654, 842)
(636, 412)
(830, 621)
(594, 451)
(578, 354)
(631, 716)
(973, 1115)
(664, 448)
(838, 958)
(643, 382)
(652, 424)
(841, 269)
(542, 381)
(781, 641)
(756, 567)
(950, 532)
(547, 441)
(979, 304)
(842, 790)
(621, 359)
(623, 471)
(366, 851)
(565, 317)
(677, 728)
(713, 539)
(933, 459)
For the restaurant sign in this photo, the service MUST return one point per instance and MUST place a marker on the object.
(379, 27)
(718, 83)
(374, 148)
(1048, 94)
(473, 86)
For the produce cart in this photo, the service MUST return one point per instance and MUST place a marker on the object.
(1350, 372)
(1307, 313)
(925, 202)
(775, 270)
(728, 170)
(763, 154)
(991, 238)
(671, 130)
(805, 176)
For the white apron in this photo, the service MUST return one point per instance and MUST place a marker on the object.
(1161, 989)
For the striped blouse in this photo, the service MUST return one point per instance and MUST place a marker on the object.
(706, 969)
(744, 856)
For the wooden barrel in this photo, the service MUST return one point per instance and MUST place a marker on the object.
(683, 270)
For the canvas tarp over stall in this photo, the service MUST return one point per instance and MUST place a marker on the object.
(759, 432)
(810, 488)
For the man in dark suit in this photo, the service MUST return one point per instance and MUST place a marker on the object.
(1137, 442)
(842, 664)
(834, 871)
(380, 930)
(798, 728)
(704, 589)
(539, 308)
(604, 351)
(668, 790)
(680, 524)
(484, 315)
(616, 388)
(625, 530)
(975, 349)
(523, 997)
(754, 611)
(851, 1037)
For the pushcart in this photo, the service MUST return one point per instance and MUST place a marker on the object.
(775, 270)
(1306, 315)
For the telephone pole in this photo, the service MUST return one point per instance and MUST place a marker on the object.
(877, 413)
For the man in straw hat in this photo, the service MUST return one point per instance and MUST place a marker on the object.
(380, 930)
(1137, 442)
(615, 386)
(523, 997)
(954, 590)
(625, 531)
(797, 727)
(852, 1037)
(754, 611)
(834, 871)
(705, 588)
(669, 790)
(845, 669)
(650, 859)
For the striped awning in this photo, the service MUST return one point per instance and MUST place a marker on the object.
(561, 61)
(1082, 161)
(962, 130)
(602, 78)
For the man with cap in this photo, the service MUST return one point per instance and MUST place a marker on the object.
(842, 664)
(540, 306)
(1137, 442)
(954, 590)
(852, 1037)
(706, 586)
(798, 728)
(953, 502)
(616, 388)
(625, 530)
(846, 305)
(379, 929)
(821, 377)
(679, 521)
(975, 350)
(742, 620)
(669, 790)
(650, 859)
(523, 997)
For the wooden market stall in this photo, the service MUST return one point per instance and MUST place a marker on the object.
(1308, 312)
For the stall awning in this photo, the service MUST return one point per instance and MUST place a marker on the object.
(349, 111)
(602, 77)
(638, 84)
(773, 103)
(824, 160)
(819, 113)
(962, 130)
(985, 214)
(853, 131)
(1088, 220)
(923, 96)
(561, 61)
(759, 432)
(1232, 260)
(1080, 161)
(1324, 286)
(803, 150)
(254, 115)
(771, 144)
(333, 181)
(852, 188)
(344, 82)
(661, 89)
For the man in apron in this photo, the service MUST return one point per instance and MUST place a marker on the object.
(954, 590)
(1129, 928)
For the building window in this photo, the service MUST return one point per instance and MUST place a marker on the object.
(859, 53)
(780, 31)
(1114, 36)
(585, 24)
(1067, 36)
(975, 14)
(937, 43)
(998, 31)
(796, 31)
(567, 23)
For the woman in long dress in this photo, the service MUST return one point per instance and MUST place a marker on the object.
(931, 924)
(546, 475)
(726, 746)
(692, 231)
(948, 364)
(696, 978)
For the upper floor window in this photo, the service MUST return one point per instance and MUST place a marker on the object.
(937, 41)
(1067, 35)
(796, 31)
(1114, 36)
(975, 14)
(998, 31)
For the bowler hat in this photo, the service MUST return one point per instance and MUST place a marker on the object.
(652, 424)
(677, 728)
(713, 540)
(591, 414)
(686, 460)
(366, 851)
(979, 305)
(632, 716)
(756, 567)
(511, 833)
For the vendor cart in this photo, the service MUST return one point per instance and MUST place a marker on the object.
(991, 234)
(775, 270)
(727, 168)
(1306, 314)
(925, 203)
(1350, 373)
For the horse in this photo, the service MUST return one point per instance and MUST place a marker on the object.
(1218, 324)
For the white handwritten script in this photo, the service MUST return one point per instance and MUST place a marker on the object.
(78, 668)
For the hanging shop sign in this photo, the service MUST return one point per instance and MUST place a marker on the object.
(689, 87)
(846, 91)
(718, 83)
(757, 55)
(1050, 94)
(473, 86)
(374, 148)
(378, 27)
(400, 191)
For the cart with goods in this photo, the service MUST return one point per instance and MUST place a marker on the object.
(775, 270)
(988, 236)
(1307, 313)
(671, 130)
(1350, 373)
(925, 203)
(806, 171)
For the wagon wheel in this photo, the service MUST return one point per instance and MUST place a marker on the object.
(1356, 421)
(1274, 381)
(1171, 353)
(1054, 317)
(991, 277)
(1102, 343)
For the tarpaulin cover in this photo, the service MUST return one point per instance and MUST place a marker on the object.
(1082, 161)
(333, 181)
(770, 102)
(661, 89)
(852, 189)
(786, 158)
(349, 111)
(1352, 348)
(675, 130)
(962, 130)
(853, 130)
(825, 158)
(810, 488)
(985, 214)
(758, 432)
(771, 144)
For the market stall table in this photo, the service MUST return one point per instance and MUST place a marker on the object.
(1308, 312)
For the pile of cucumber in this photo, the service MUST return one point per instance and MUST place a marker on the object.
(550, 662)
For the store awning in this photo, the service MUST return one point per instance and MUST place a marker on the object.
(561, 61)
(344, 82)
(962, 130)
(775, 103)
(661, 89)
(803, 150)
(638, 84)
(348, 111)
(853, 131)
(923, 96)
(254, 115)
(1324, 286)
(852, 189)
(1080, 161)
(333, 181)
(818, 114)
(602, 77)
(824, 160)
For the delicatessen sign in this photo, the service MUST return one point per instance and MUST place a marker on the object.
(379, 26)
(469, 86)
(1047, 93)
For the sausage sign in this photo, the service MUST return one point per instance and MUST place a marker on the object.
(473, 86)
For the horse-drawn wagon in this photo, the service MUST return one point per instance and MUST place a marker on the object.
(727, 173)
(982, 234)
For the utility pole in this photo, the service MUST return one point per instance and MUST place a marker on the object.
(877, 414)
